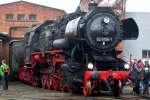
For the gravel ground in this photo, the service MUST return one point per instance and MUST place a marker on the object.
(20, 91)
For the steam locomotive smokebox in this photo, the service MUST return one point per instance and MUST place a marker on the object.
(100, 28)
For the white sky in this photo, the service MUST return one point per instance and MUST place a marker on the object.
(71, 5)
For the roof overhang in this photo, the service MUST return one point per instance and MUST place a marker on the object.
(4, 36)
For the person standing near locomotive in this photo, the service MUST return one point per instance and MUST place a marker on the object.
(146, 77)
(139, 86)
(4, 72)
(136, 76)
(133, 74)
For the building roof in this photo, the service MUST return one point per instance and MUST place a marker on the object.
(25, 2)
(4, 36)
(34, 28)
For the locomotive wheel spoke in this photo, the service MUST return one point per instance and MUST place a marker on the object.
(48, 84)
(44, 81)
(56, 85)
(64, 87)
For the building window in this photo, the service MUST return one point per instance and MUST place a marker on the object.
(146, 53)
(9, 16)
(21, 17)
(32, 17)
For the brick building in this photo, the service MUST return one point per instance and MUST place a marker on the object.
(17, 17)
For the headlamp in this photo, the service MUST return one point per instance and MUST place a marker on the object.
(90, 66)
(106, 20)
(126, 66)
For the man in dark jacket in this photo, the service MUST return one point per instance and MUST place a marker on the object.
(146, 77)
(133, 74)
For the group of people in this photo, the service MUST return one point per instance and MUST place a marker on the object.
(140, 76)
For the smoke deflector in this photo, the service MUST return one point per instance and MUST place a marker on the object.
(130, 29)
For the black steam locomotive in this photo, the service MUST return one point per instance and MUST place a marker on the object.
(77, 51)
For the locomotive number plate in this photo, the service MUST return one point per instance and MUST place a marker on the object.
(103, 39)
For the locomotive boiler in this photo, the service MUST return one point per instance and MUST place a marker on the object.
(78, 52)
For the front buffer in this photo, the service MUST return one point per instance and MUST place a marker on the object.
(104, 82)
